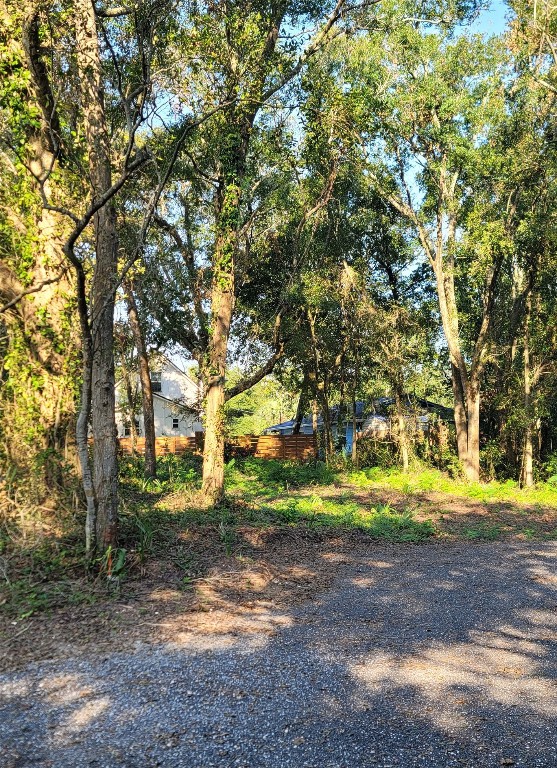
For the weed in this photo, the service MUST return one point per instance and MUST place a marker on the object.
(386, 523)
(484, 532)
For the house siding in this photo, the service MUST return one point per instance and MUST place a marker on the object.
(178, 398)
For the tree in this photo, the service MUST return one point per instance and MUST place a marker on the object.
(441, 97)
(145, 381)
(38, 389)
(241, 62)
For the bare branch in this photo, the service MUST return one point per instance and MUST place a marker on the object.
(113, 13)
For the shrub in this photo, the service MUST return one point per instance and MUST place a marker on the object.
(377, 453)
(286, 473)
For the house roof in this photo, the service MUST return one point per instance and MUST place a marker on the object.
(179, 370)
(307, 421)
(411, 401)
(378, 405)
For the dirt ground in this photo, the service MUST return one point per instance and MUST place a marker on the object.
(268, 569)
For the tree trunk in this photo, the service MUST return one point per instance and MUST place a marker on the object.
(401, 427)
(528, 450)
(466, 393)
(103, 422)
(472, 467)
(82, 426)
(322, 398)
(340, 439)
(327, 427)
(145, 380)
(354, 436)
(301, 406)
(314, 416)
(461, 422)
(131, 411)
(214, 380)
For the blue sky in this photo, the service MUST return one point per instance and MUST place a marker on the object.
(492, 21)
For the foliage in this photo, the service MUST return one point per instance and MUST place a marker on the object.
(360, 214)
(263, 405)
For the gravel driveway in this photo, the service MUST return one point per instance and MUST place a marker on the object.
(425, 655)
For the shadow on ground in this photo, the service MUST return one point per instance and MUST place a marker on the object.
(423, 655)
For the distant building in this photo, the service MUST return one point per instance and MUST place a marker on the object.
(372, 419)
(176, 403)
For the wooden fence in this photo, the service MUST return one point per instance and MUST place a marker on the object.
(291, 447)
(163, 445)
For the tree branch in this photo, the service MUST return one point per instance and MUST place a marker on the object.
(321, 38)
(256, 377)
(113, 13)
(33, 289)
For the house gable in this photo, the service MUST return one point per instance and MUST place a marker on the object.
(176, 403)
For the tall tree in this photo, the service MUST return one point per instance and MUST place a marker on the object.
(105, 276)
(441, 97)
(36, 296)
(243, 60)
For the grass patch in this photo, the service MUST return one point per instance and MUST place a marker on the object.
(483, 532)
(385, 523)
(543, 495)
(381, 522)
(259, 478)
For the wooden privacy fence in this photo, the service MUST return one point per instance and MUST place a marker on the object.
(290, 447)
(163, 445)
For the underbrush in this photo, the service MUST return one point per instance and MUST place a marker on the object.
(163, 522)
(174, 473)
(42, 575)
(268, 476)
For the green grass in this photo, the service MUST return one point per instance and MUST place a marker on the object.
(379, 522)
(544, 494)
(484, 532)
(256, 478)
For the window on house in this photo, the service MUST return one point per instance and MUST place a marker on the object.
(156, 381)
(128, 430)
(175, 423)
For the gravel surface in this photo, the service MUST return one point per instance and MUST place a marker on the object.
(425, 655)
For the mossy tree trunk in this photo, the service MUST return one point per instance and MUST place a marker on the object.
(104, 282)
(222, 303)
(36, 295)
(145, 381)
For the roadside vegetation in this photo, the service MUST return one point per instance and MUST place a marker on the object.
(163, 523)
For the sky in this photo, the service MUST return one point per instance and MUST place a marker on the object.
(491, 21)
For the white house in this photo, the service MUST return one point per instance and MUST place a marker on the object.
(176, 403)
